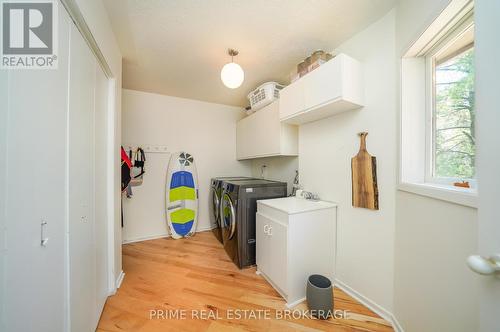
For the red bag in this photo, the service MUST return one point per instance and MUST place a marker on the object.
(126, 166)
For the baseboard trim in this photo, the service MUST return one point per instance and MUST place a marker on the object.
(395, 324)
(161, 236)
(291, 305)
(119, 280)
(146, 238)
(372, 305)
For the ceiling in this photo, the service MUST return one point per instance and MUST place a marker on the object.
(178, 47)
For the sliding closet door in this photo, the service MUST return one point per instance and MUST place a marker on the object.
(4, 101)
(35, 195)
(101, 192)
(82, 252)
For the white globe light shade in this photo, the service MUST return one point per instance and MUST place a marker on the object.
(232, 75)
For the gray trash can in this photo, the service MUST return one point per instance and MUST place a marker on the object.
(319, 296)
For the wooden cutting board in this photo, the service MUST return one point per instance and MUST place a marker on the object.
(364, 178)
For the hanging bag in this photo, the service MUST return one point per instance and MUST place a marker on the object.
(138, 169)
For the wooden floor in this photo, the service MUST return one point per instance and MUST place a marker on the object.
(194, 277)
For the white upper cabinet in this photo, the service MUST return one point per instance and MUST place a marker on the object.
(332, 88)
(261, 134)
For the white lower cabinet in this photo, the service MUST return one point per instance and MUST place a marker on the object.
(295, 239)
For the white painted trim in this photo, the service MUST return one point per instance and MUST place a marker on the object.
(67, 299)
(435, 29)
(372, 305)
(295, 303)
(117, 283)
(120, 278)
(111, 182)
(396, 325)
(161, 236)
(465, 197)
(76, 15)
(146, 238)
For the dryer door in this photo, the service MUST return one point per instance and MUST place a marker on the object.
(228, 216)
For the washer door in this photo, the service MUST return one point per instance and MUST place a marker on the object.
(228, 214)
(216, 205)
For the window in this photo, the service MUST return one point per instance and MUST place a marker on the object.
(438, 109)
(451, 149)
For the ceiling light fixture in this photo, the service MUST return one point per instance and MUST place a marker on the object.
(232, 74)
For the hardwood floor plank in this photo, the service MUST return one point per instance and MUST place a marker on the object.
(194, 276)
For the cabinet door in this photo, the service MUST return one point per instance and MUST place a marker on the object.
(82, 254)
(292, 99)
(267, 130)
(272, 250)
(101, 189)
(277, 234)
(244, 142)
(262, 243)
(323, 84)
(33, 290)
(259, 134)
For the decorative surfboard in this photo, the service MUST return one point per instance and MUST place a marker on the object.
(182, 195)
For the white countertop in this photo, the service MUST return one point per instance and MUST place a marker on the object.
(293, 205)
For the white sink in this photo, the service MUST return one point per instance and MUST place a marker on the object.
(293, 205)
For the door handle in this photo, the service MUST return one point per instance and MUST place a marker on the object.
(484, 265)
(268, 229)
(43, 239)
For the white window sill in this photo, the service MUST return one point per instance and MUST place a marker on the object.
(461, 196)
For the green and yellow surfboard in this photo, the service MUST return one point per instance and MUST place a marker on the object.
(182, 195)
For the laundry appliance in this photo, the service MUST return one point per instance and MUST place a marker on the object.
(237, 210)
(214, 205)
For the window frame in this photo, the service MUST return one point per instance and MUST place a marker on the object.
(448, 38)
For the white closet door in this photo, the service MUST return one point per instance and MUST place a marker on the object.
(82, 254)
(4, 100)
(35, 191)
(101, 192)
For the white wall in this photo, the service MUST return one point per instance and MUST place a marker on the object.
(206, 130)
(277, 168)
(365, 238)
(96, 17)
(433, 290)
